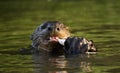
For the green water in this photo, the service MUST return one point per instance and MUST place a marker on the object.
(98, 20)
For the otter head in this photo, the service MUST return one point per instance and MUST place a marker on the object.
(48, 33)
(55, 30)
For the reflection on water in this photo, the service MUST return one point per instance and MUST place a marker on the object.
(47, 64)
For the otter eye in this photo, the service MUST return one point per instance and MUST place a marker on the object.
(58, 29)
(49, 28)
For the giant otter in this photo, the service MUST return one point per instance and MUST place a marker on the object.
(45, 36)
(48, 35)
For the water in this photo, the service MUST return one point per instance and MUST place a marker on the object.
(77, 64)
(42, 63)
(97, 20)
(107, 59)
(63, 65)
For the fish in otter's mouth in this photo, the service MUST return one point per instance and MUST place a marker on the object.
(48, 34)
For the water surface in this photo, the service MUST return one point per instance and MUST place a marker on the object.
(97, 20)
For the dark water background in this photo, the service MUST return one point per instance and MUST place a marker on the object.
(98, 20)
